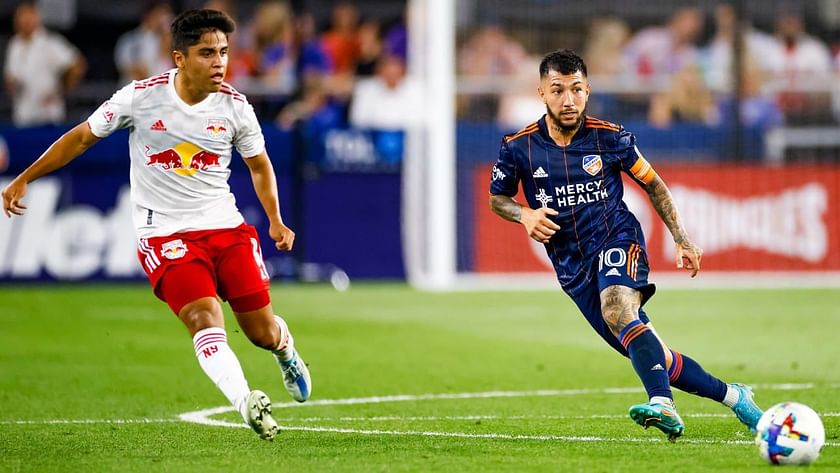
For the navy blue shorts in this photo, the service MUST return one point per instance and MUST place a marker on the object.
(621, 263)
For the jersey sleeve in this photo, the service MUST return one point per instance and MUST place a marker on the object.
(504, 179)
(632, 160)
(249, 140)
(114, 113)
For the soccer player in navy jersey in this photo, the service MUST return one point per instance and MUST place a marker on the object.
(569, 166)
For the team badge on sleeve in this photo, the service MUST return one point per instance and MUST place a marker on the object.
(498, 175)
(216, 127)
(592, 164)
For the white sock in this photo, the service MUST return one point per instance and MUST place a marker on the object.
(731, 397)
(662, 400)
(221, 365)
(285, 349)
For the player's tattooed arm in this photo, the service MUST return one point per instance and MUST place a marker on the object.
(688, 253)
(506, 207)
(537, 223)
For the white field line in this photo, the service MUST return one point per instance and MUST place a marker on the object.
(88, 421)
(203, 416)
(697, 415)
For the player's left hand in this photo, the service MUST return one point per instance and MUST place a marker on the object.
(283, 236)
(688, 256)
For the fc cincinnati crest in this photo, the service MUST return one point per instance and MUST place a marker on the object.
(216, 127)
(592, 164)
(173, 249)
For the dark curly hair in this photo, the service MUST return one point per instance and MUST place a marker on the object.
(188, 27)
(564, 61)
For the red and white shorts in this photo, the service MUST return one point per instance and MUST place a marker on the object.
(184, 267)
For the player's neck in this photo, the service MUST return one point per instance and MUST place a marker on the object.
(561, 136)
(189, 92)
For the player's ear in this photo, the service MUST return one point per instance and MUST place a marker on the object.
(542, 94)
(178, 58)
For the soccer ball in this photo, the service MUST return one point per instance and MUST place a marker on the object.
(790, 434)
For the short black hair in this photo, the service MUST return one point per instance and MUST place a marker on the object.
(188, 27)
(564, 61)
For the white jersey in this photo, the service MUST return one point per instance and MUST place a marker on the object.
(180, 154)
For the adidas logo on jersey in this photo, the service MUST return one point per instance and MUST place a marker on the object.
(657, 367)
(540, 172)
(158, 126)
(613, 272)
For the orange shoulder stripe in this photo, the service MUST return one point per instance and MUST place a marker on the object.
(525, 131)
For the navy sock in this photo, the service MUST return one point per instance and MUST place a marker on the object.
(648, 358)
(687, 375)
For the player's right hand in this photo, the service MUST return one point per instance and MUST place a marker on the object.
(283, 236)
(537, 224)
(12, 195)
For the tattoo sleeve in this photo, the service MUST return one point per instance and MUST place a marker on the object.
(663, 202)
(506, 207)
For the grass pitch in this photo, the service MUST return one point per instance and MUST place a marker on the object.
(99, 378)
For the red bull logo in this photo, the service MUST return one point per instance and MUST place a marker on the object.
(185, 159)
(216, 127)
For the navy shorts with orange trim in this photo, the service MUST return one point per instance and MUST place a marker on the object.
(620, 263)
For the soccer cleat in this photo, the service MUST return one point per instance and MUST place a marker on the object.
(296, 377)
(258, 412)
(745, 408)
(664, 418)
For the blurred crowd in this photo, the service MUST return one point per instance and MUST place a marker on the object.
(353, 72)
(666, 74)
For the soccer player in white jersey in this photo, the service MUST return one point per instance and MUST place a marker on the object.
(193, 242)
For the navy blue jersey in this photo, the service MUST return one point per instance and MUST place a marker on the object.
(582, 181)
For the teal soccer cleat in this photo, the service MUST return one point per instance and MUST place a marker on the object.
(746, 409)
(664, 418)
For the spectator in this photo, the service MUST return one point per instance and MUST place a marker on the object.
(341, 42)
(763, 52)
(145, 50)
(521, 102)
(40, 67)
(756, 109)
(660, 51)
(387, 101)
(605, 40)
(688, 100)
(804, 55)
(274, 34)
(490, 52)
(320, 102)
(396, 39)
(806, 59)
(487, 54)
(370, 48)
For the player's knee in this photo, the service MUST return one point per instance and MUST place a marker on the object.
(619, 307)
(200, 315)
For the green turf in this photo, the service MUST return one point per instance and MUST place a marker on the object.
(113, 356)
